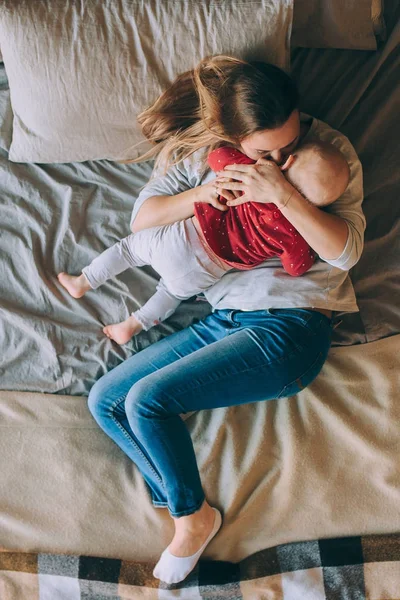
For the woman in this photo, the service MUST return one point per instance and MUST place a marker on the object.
(269, 334)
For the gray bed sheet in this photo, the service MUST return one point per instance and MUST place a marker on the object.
(358, 93)
(58, 217)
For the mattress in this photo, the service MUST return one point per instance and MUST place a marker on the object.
(318, 465)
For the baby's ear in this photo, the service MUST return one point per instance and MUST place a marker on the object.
(288, 162)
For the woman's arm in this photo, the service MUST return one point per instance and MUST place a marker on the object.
(163, 210)
(169, 199)
(264, 182)
(336, 233)
(326, 233)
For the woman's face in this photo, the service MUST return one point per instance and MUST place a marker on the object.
(274, 144)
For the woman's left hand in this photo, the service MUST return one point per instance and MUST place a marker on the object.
(262, 182)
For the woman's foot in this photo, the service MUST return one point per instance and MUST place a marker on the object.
(193, 533)
(76, 286)
(123, 332)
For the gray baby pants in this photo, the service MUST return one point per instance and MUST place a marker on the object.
(175, 251)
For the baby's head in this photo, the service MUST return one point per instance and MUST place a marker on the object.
(319, 172)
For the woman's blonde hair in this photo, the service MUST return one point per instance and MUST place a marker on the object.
(221, 101)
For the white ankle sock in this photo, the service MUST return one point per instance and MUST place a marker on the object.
(173, 569)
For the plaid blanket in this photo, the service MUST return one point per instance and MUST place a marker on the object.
(354, 568)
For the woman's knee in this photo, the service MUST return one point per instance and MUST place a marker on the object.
(99, 399)
(93, 399)
(146, 399)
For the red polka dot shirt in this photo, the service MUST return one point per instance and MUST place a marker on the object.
(246, 235)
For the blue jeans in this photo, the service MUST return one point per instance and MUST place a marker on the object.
(229, 358)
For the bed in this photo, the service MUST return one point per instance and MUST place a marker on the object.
(309, 486)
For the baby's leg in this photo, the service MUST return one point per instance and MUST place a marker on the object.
(76, 286)
(109, 263)
(124, 331)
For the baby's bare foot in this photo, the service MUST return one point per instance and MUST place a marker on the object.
(123, 332)
(76, 286)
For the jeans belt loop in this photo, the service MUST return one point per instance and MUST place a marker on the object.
(231, 315)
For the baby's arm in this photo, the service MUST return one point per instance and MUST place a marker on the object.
(299, 259)
(158, 308)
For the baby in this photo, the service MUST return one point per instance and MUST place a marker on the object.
(193, 254)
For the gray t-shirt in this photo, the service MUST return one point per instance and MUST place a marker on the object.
(325, 285)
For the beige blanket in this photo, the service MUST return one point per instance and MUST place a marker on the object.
(323, 464)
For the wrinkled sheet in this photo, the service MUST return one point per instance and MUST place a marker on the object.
(58, 217)
(321, 464)
(359, 94)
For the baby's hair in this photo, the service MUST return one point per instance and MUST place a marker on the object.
(320, 172)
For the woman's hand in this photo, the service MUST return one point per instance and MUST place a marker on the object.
(262, 182)
(209, 194)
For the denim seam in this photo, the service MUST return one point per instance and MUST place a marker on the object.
(182, 513)
(316, 329)
(312, 314)
(162, 504)
(324, 323)
(265, 364)
(296, 347)
(280, 395)
(188, 511)
(177, 463)
(313, 331)
(131, 440)
(156, 423)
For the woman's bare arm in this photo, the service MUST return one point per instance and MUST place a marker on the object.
(325, 232)
(163, 210)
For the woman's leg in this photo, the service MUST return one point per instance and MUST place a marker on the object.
(258, 355)
(262, 355)
(107, 397)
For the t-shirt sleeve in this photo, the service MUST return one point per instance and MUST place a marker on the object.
(349, 208)
(177, 179)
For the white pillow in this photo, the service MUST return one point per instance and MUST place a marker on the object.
(81, 71)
